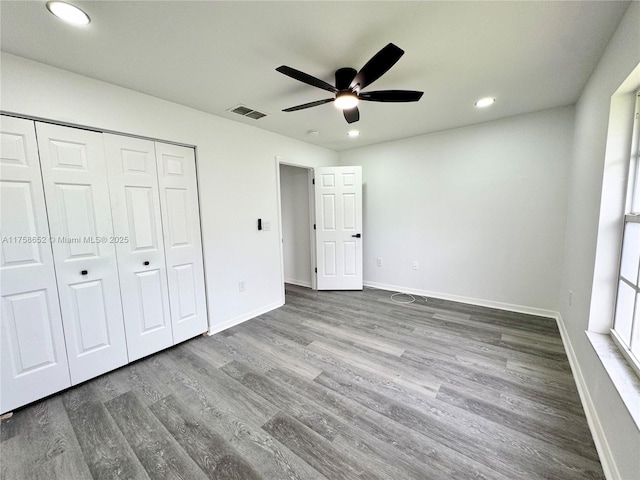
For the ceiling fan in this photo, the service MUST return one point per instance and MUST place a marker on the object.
(350, 83)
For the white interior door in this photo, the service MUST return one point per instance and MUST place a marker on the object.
(75, 184)
(34, 360)
(137, 225)
(338, 201)
(182, 242)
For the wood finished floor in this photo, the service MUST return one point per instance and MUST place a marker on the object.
(336, 385)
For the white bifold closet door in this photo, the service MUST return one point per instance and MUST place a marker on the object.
(135, 203)
(33, 357)
(182, 243)
(77, 195)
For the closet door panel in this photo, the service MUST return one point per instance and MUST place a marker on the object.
(135, 202)
(76, 190)
(183, 246)
(33, 356)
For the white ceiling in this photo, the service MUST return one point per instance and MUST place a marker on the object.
(213, 55)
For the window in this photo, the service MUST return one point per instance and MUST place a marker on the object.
(626, 326)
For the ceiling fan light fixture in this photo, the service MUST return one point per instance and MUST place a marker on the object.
(485, 102)
(350, 83)
(69, 13)
(346, 101)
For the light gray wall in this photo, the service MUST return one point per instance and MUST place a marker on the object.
(585, 188)
(236, 173)
(294, 191)
(481, 208)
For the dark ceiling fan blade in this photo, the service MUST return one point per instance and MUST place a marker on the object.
(306, 78)
(352, 115)
(379, 64)
(308, 105)
(391, 96)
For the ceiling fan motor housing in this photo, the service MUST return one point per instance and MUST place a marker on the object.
(344, 77)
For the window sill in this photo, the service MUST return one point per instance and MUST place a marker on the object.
(622, 375)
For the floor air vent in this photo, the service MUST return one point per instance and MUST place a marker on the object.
(247, 112)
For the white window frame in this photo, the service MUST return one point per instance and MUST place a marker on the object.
(632, 215)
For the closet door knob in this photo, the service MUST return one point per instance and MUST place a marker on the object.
(83, 272)
(146, 263)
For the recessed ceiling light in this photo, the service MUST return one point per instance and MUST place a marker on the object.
(485, 102)
(313, 133)
(69, 13)
(353, 133)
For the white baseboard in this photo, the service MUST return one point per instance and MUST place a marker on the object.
(300, 283)
(597, 432)
(469, 300)
(213, 329)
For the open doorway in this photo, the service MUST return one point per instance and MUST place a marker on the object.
(296, 224)
(329, 258)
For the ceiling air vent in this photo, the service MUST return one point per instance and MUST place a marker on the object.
(247, 112)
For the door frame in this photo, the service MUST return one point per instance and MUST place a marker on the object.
(312, 213)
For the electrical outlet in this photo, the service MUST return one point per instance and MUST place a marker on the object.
(241, 286)
(416, 265)
(379, 262)
(266, 226)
